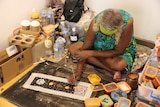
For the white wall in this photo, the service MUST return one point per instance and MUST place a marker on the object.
(146, 15)
(12, 12)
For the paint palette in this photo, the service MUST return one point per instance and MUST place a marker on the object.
(57, 86)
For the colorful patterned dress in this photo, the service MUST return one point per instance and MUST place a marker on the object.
(103, 42)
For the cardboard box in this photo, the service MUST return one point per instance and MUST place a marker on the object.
(15, 65)
(3, 56)
(7, 53)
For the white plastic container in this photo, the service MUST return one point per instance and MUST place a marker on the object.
(145, 92)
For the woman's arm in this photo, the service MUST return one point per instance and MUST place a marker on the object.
(89, 39)
(122, 44)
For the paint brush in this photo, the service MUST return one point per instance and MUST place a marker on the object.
(73, 74)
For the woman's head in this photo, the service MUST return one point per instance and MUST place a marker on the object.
(112, 19)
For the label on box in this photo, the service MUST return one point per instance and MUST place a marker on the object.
(11, 50)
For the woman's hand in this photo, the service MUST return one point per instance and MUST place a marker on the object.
(74, 78)
(82, 55)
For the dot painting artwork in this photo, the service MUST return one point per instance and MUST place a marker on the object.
(58, 86)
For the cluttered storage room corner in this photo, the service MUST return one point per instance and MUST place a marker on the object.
(70, 53)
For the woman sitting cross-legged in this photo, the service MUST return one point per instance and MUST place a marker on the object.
(108, 44)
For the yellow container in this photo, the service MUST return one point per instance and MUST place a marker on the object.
(94, 79)
(92, 102)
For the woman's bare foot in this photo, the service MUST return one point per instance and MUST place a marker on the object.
(117, 76)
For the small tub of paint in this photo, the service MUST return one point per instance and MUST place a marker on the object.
(115, 95)
(92, 102)
(158, 88)
(132, 80)
(115, 104)
(97, 87)
(94, 79)
(124, 102)
(110, 87)
(142, 104)
(105, 100)
(151, 71)
(124, 86)
(156, 81)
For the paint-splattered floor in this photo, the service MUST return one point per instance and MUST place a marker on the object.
(29, 98)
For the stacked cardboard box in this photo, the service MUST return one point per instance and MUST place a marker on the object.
(13, 63)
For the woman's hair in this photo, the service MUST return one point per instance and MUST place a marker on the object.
(110, 19)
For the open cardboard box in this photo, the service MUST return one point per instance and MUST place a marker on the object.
(14, 65)
(7, 53)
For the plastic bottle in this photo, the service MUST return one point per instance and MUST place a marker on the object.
(50, 16)
(74, 35)
(34, 14)
(49, 49)
(48, 3)
(59, 48)
(65, 32)
(57, 55)
(43, 15)
(62, 41)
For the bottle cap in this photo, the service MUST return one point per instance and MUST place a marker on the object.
(73, 29)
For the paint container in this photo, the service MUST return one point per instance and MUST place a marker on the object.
(97, 87)
(151, 71)
(106, 101)
(132, 80)
(92, 102)
(115, 104)
(124, 86)
(156, 81)
(115, 95)
(110, 87)
(142, 104)
(94, 79)
(158, 88)
(124, 102)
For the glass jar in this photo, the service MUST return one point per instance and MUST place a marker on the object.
(132, 80)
